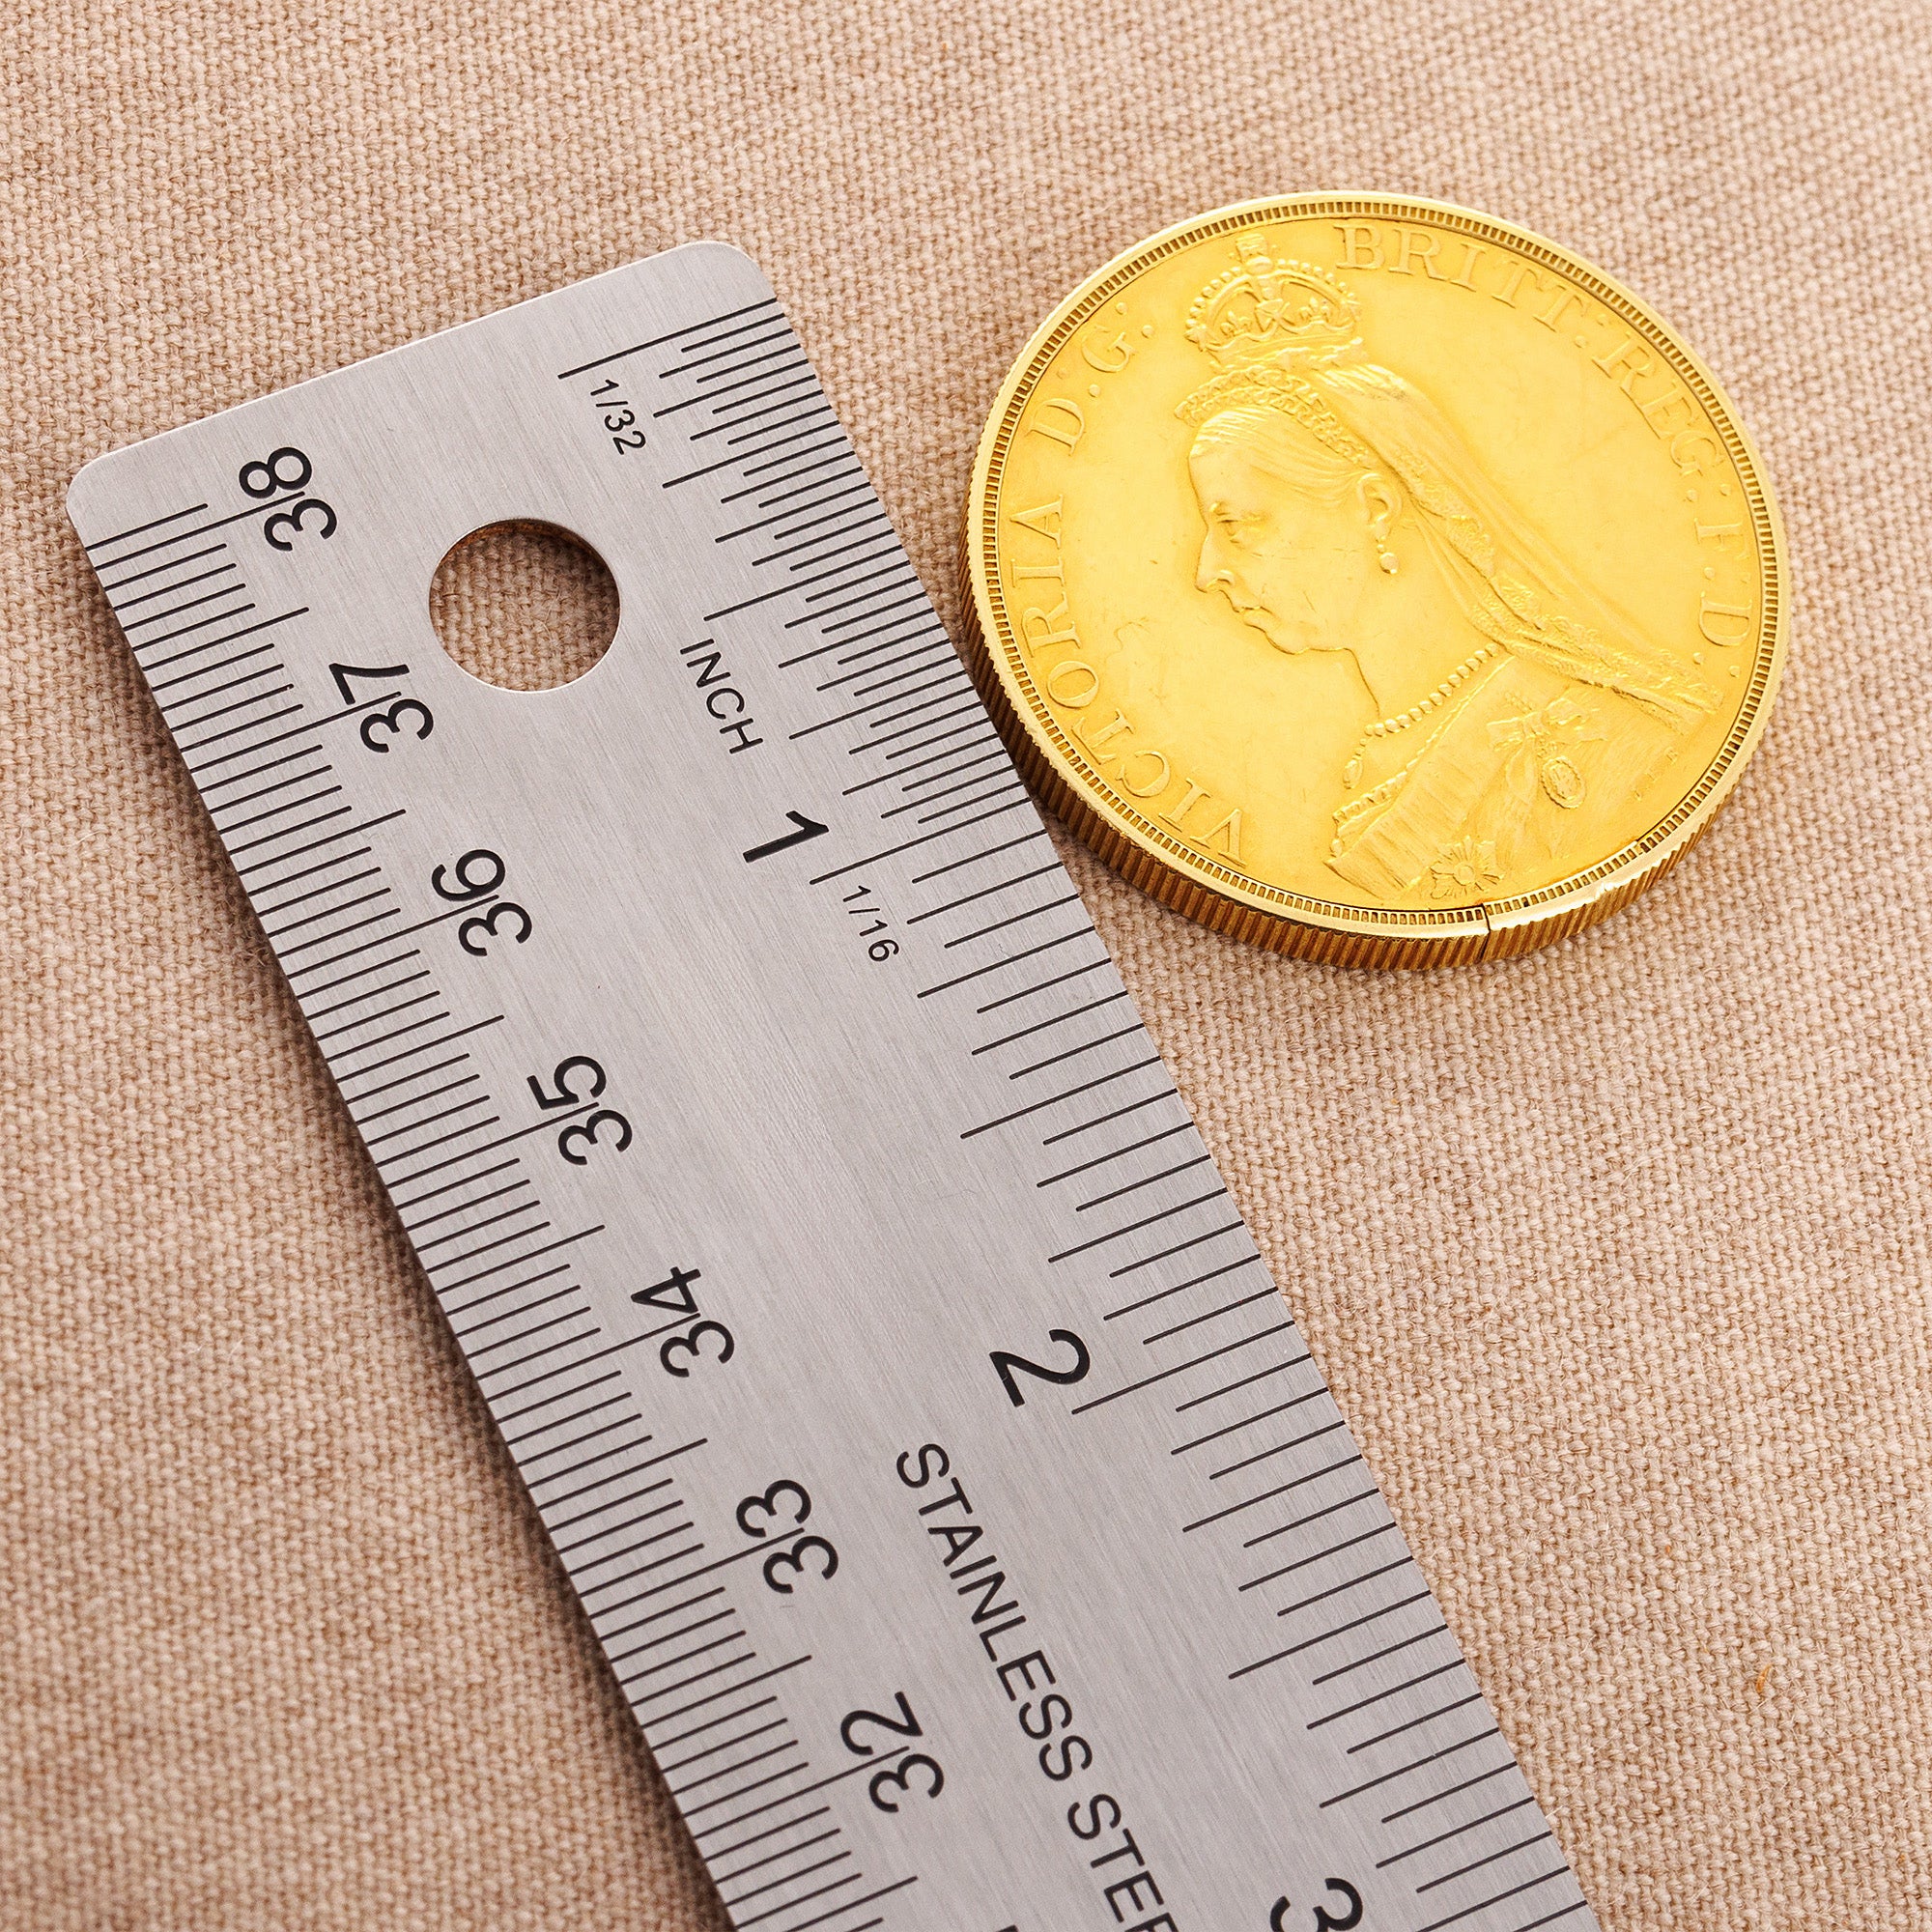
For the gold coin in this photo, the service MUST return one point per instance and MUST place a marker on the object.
(1373, 580)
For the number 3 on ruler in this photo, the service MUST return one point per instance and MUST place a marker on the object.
(1325, 1919)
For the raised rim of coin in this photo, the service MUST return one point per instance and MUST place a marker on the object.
(1218, 896)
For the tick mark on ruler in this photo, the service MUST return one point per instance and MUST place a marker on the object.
(654, 342)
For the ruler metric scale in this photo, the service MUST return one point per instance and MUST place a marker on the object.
(949, 1489)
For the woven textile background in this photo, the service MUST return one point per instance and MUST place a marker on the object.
(1616, 1256)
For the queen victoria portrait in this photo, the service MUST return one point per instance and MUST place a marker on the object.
(1343, 512)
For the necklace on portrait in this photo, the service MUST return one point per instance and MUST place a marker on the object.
(1401, 720)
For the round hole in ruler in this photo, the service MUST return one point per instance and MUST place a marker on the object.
(523, 604)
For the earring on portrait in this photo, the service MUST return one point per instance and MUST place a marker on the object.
(1388, 557)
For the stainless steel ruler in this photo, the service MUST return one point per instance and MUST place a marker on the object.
(950, 1487)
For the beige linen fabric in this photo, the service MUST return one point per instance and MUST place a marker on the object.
(1616, 1255)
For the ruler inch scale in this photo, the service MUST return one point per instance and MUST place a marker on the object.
(947, 1483)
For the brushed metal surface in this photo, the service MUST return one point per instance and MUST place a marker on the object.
(884, 1115)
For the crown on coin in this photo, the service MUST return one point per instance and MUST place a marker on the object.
(1270, 306)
